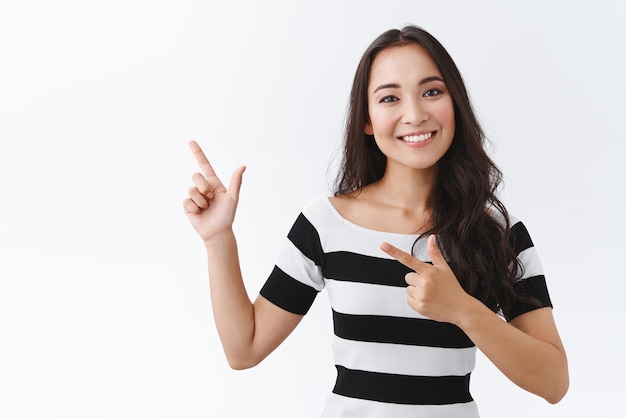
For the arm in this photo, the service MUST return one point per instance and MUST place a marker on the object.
(248, 332)
(528, 350)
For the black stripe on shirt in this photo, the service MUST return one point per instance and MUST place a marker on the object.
(397, 330)
(352, 267)
(534, 287)
(402, 389)
(521, 238)
(284, 291)
(306, 238)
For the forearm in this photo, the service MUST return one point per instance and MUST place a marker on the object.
(535, 364)
(233, 311)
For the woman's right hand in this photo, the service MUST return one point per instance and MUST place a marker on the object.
(211, 207)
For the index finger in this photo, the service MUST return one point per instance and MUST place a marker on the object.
(403, 257)
(202, 160)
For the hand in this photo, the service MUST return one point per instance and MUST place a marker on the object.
(433, 290)
(210, 207)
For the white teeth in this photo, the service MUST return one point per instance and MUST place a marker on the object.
(417, 138)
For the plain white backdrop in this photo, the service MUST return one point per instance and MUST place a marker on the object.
(104, 302)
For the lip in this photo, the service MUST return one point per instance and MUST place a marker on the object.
(419, 144)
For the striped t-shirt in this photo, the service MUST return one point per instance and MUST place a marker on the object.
(390, 360)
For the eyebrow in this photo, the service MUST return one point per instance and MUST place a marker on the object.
(396, 86)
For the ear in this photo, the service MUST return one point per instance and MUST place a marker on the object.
(368, 129)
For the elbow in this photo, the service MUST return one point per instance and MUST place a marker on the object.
(558, 393)
(241, 365)
(556, 398)
(238, 362)
(558, 382)
(558, 389)
(237, 366)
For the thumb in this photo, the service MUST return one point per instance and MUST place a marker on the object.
(235, 182)
(435, 253)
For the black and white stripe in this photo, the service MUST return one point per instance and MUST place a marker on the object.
(389, 358)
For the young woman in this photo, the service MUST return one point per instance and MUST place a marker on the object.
(420, 259)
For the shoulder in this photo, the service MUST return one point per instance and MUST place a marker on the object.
(315, 228)
(318, 208)
(319, 214)
(499, 217)
(519, 235)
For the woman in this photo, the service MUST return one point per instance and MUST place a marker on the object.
(414, 213)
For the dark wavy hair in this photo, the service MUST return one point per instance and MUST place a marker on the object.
(464, 205)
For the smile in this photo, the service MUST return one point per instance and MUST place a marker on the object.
(417, 138)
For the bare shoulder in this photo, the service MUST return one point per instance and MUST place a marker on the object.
(347, 203)
(365, 208)
(356, 206)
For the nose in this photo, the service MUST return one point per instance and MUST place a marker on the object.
(414, 112)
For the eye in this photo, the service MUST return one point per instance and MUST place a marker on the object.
(432, 92)
(389, 99)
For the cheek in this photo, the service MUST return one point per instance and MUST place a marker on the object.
(445, 114)
(377, 121)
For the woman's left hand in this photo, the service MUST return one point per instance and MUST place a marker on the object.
(433, 290)
(528, 350)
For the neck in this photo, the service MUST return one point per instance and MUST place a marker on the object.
(407, 188)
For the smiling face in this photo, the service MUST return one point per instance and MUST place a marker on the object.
(411, 113)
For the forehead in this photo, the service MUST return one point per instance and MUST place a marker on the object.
(402, 62)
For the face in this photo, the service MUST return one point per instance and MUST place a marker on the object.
(411, 113)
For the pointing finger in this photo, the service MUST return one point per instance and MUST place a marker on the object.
(202, 160)
(403, 257)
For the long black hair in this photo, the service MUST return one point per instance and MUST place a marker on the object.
(471, 223)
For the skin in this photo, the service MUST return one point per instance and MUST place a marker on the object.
(407, 95)
(528, 350)
(248, 331)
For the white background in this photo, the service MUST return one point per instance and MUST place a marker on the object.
(104, 302)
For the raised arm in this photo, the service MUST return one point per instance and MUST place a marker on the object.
(248, 331)
(528, 350)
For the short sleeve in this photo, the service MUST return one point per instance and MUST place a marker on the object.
(297, 277)
(531, 286)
